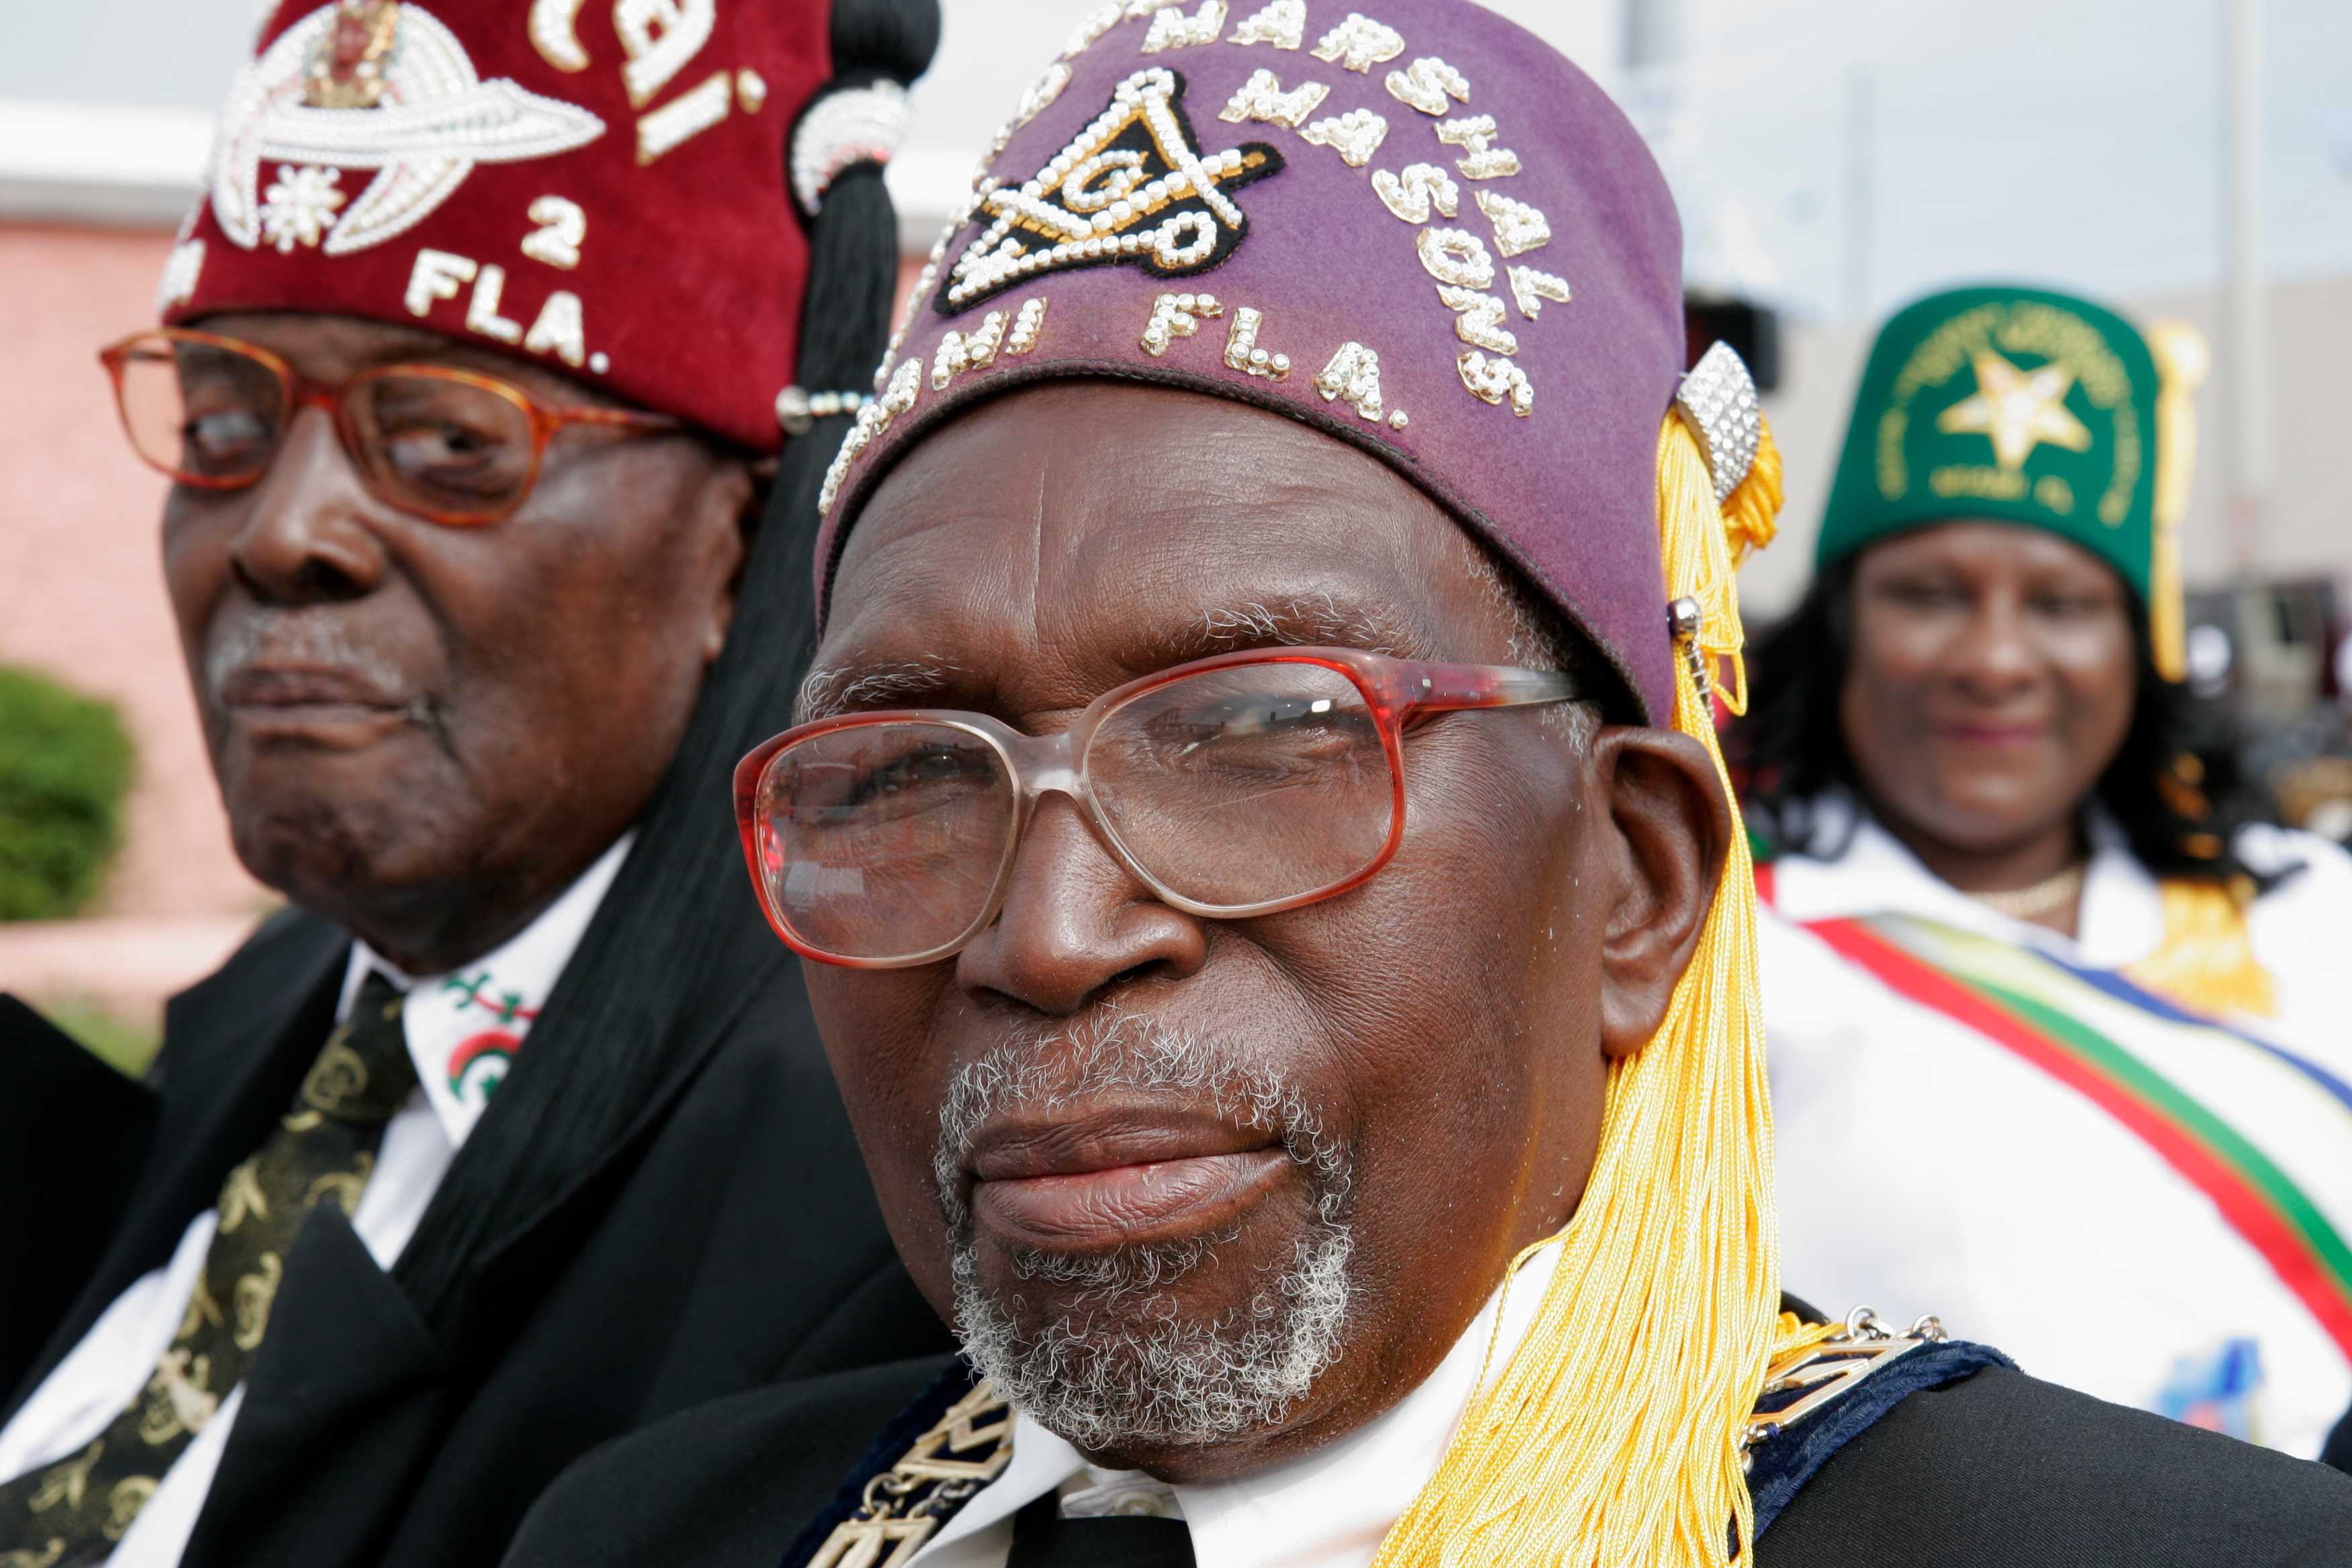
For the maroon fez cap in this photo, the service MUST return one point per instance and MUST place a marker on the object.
(1372, 221)
(601, 189)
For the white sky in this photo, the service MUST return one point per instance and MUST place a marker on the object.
(2071, 139)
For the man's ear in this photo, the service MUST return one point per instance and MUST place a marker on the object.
(730, 502)
(1670, 830)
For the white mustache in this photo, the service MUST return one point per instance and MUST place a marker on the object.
(304, 637)
(1124, 1051)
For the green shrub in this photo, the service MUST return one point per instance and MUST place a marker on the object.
(64, 766)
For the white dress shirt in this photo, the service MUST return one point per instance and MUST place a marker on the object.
(1924, 1167)
(1329, 1509)
(461, 1029)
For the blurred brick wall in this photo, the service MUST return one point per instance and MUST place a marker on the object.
(82, 593)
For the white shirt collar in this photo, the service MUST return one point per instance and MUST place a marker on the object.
(465, 1026)
(2121, 919)
(1329, 1509)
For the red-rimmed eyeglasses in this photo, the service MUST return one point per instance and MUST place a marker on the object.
(1232, 786)
(445, 445)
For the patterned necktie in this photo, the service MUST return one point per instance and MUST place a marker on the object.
(72, 1512)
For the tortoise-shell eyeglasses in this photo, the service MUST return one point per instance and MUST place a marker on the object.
(449, 445)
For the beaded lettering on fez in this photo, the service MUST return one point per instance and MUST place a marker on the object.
(1176, 316)
(1262, 98)
(1133, 187)
(1042, 93)
(1353, 375)
(1496, 381)
(1026, 325)
(659, 37)
(180, 270)
(562, 224)
(683, 118)
(1518, 227)
(1282, 24)
(1530, 289)
(1357, 134)
(1419, 187)
(1242, 353)
(1478, 318)
(1426, 85)
(1455, 256)
(959, 351)
(1359, 42)
(554, 33)
(557, 329)
(1482, 160)
(1093, 26)
(482, 310)
(416, 112)
(1171, 29)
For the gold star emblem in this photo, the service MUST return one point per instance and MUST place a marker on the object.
(2019, 409)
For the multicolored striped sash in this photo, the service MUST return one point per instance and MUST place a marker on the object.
(2264, 1132)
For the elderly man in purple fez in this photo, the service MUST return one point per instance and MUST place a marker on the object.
(1270, 896)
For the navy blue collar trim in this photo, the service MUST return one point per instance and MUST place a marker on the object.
(1785, 1461)
(922, 1414)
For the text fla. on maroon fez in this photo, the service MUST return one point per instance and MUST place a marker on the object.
(1414, 226)
(597, 187)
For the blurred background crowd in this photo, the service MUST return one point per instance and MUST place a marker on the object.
(2190, 161)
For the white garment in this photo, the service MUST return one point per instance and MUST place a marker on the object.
(99, 1376)
(1923, 1167)
(1329, 1509)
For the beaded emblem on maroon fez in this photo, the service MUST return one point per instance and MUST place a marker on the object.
(597, 187)
(1455, 254)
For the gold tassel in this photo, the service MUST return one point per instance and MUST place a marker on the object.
(2206, 960)
(1611, 1438)
(1751, 515)
(2181, 362)
(1706, 558)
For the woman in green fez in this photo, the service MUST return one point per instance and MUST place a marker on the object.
(2056, 1042)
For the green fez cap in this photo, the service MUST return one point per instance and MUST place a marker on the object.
(2023, 406)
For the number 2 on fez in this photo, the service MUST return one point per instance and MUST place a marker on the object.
(562, 226)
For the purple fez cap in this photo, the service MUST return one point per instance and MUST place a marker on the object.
(1417, 228)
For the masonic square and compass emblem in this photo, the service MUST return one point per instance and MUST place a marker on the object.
(369, 84)
(1133, 186)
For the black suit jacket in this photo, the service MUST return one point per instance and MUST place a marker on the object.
(729, 1240)
(1995, 1471)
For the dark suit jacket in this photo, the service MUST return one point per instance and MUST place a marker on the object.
(729, 1240)
(1995, 1471)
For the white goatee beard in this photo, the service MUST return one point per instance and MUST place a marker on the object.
(1147, 1374)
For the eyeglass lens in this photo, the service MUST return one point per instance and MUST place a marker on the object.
(448, 446)
(1232, 787)
(210, 413)
(200, 411)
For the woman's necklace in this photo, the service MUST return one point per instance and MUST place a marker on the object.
(2045, 897)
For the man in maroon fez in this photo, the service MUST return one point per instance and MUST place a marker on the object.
(489, 552)
(1269, 893)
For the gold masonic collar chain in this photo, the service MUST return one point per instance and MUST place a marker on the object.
(963, 1451)
(1804, 1380)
